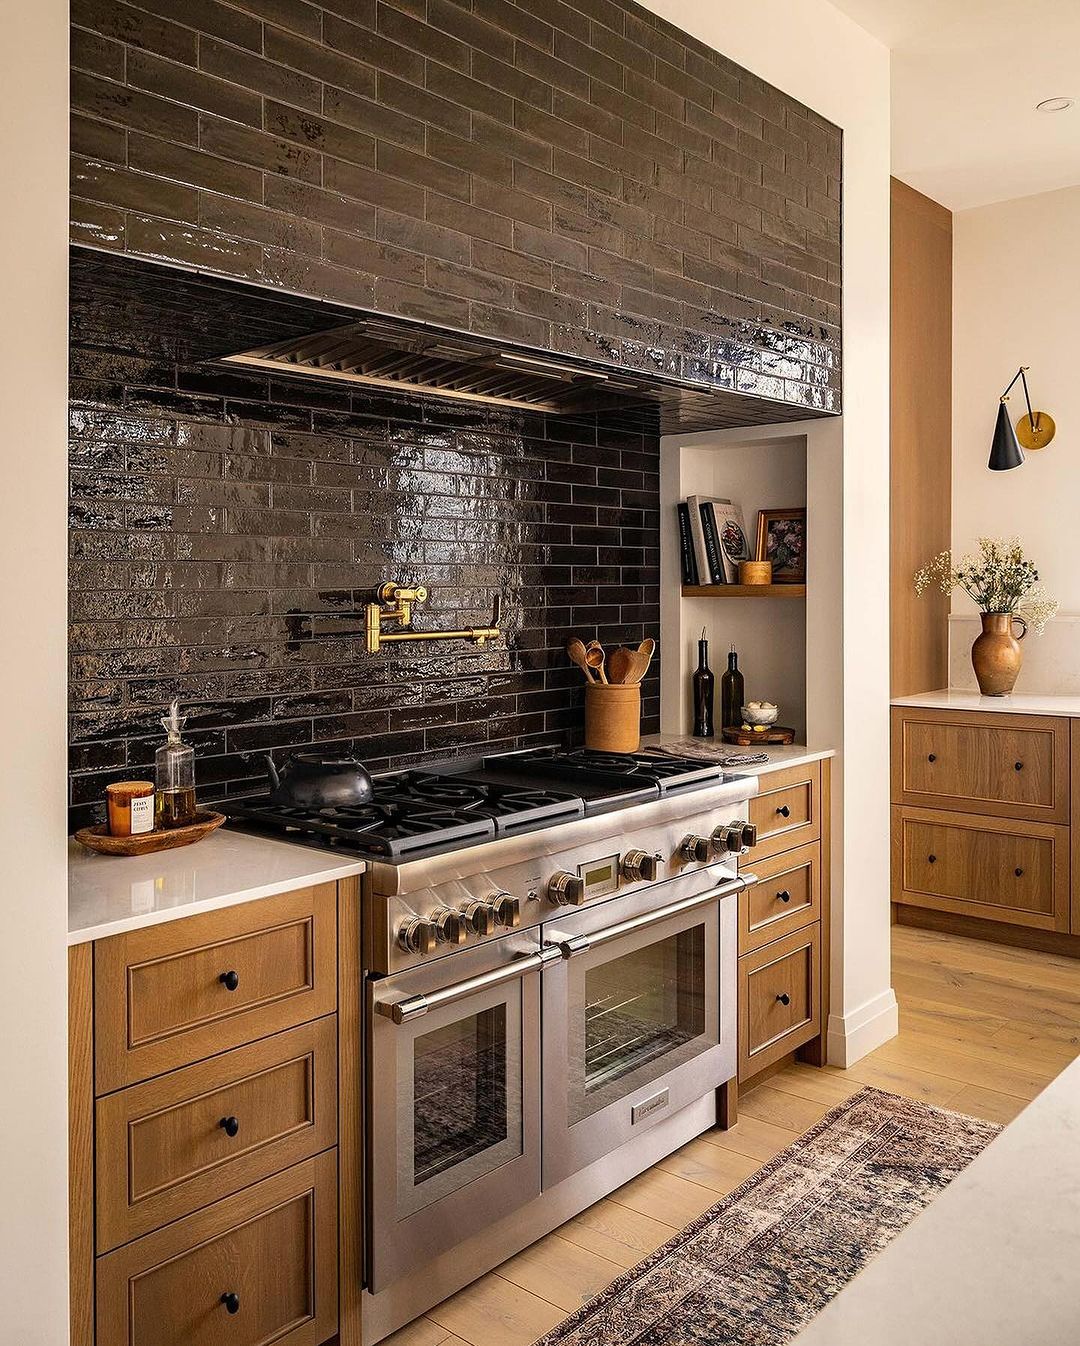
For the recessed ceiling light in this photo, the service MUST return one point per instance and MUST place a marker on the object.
(1055, 105)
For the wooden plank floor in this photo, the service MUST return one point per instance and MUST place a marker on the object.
(983, 1027)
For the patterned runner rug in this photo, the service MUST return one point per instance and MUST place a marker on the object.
(763, 1261)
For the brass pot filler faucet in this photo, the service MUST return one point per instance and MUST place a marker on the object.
(394, 603)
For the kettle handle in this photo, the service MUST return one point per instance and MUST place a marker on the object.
(275, 779)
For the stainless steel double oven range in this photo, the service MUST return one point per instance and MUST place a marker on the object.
(548, 1012)
(549, 993)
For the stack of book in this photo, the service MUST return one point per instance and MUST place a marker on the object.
(712, 540)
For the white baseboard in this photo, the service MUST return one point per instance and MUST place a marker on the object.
(852, 1036)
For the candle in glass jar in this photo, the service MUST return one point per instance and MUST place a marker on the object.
(131, 807)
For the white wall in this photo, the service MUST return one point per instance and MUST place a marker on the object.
(818, 55)
(33, 545)
(1016, 293)
(769, 634)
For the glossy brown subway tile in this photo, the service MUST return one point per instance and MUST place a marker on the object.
(225, 558)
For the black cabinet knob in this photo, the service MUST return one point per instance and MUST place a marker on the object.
(231, 1302)
(1018, 872)
(784, 811)
(230, 1125)
(230, 980)
(932, 757)
(932, 859)
(1018, 766)
(784, 998)
(784, 895)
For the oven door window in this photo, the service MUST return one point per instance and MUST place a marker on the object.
(635, 1015)
(460, 1101)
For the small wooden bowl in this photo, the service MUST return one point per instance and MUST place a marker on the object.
(147, 843)
(755, 572)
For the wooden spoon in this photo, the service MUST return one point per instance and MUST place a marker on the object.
(576, 651)
(594, 657)
(647, 647)
(620, 665)
(638, 666)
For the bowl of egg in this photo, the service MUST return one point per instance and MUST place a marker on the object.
(759, 714)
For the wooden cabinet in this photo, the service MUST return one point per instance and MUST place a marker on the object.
(780, 992)
(175, 1143)
(783, 921)
(216, 1062)
(167, 995)
(257, 1268)
(1005, 766)
(786, 813)
(983, 833)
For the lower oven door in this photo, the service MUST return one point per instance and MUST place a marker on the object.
(453, 1095)
(639, 1017)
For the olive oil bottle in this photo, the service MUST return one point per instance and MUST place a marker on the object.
(174, 766)
(732, 693)
(704, 685)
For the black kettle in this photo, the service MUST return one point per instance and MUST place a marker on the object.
(310, 781)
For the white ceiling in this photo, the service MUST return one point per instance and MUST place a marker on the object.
(966, 75)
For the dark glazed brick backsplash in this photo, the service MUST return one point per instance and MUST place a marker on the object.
(574, 175)
(226, 529)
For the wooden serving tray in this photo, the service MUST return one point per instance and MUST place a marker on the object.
(775, 733)
(146, 843)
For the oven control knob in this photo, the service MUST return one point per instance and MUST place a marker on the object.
(749, 834)
(480, 916)
(566, 889)
(696, 848)
(640, 865)
(450, 927)
(417, 936)
(507, 910)
(728, 840)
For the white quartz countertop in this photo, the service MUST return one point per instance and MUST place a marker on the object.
(993, 1261)
(108, 894)
(780, 756)
(951, 698)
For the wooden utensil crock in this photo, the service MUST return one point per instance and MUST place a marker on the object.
(613, 716)
(755, 572)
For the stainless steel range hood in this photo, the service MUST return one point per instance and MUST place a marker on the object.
(384, 355)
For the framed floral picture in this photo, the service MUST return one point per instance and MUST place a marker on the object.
(781, 539)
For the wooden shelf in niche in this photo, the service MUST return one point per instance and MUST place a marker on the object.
(744, 591)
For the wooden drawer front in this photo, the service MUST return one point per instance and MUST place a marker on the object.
(779, 999)
(787, 812)
(274, 1246)
(963, 863)
(786, 897)
(1014, 766)
(162, 994)
(163, 1152)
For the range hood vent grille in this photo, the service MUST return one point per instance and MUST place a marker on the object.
(379, 356)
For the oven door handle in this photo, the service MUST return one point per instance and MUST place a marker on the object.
(412, 1007)
(575, 944)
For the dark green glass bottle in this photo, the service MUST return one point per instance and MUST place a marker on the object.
(732, 692)
(704, 689)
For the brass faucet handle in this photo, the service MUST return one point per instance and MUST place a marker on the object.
(496, 609)
(391, 592)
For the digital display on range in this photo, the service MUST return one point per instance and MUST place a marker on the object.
(600, 876)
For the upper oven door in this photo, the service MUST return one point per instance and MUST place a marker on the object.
(453, 1099)
(639, 1017)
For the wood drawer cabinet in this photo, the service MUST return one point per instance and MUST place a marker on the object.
(787, 810)
(172, 1144)
(257, 1268)
(216, 1133)
(786, 897)
(999, 765)
(167, 995)
(1015, 872)
(780, 988)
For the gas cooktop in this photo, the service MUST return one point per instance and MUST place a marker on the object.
(462, 804)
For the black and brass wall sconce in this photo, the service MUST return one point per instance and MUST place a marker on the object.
(1033, 431)
(394, 603)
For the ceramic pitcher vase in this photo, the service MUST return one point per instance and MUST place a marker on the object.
(996, 654)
